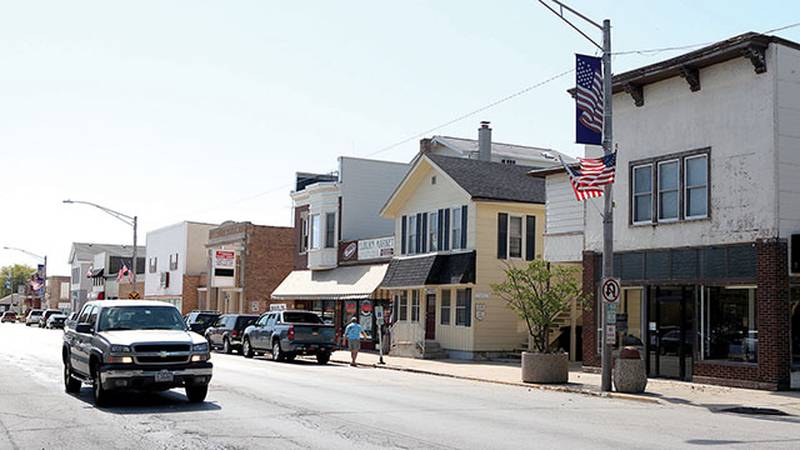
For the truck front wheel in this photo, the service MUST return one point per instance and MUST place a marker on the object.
(197, 393)
(71, 385)
(101, 395)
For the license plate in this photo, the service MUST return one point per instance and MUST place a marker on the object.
(164, 376)
(315, 333)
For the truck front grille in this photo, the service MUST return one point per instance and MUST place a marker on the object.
(157, 359)
(156, 348)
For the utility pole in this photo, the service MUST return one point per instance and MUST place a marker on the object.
(608, 210)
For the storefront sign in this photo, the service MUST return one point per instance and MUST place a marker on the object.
(366, 308)
(224, 265)
(278, 307)
(480, 311)
(376, 248)
(224, 258)
(350, 307)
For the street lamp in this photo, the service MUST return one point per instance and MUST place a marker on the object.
(130, 221)
(41, 258)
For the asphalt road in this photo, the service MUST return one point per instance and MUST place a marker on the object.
(261, 404)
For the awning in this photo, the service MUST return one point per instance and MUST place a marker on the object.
(96, 273)
(341, 283)
(457, 268)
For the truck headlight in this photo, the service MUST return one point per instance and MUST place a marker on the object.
(120, 349)
(200, 348)
(120, 359)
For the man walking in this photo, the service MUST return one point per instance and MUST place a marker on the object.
(353, 333)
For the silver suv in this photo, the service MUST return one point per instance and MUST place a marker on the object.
(134, 345)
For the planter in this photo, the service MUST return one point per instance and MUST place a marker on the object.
(545, 368)
(630, 376)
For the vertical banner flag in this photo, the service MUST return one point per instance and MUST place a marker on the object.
(588, 100)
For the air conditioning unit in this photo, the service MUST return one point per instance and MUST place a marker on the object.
(794, 254)
(164, 280)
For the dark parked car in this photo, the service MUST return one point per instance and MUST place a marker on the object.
(9, 316)
(227, 331)
(199, 321)
(286, 334)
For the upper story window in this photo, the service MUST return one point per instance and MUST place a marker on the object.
(153, 265)
(433, 230)
(668, 181)
(696, 187)
(643, 193)
(330, 230)
(516, 235)
(303, 232)
(314, 231)
(679, 193)
(412, 234)
(456, 228)
(173, 262)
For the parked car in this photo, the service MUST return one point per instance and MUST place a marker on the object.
(46, 315)
(286, 334)
(56, 321)
(135, 345)
(199, 321)
(226, 332)
(33, 317)
(9, 316)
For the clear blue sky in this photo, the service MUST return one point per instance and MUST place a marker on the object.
(177, 110)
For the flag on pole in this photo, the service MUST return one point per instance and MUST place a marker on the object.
(588, 100)
(591, 174)
(124, 272)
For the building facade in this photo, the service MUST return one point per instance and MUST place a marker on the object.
(81, 261)
(177, 258)
(245, 264)
(707, 198)
(57, 292)
(106, 284)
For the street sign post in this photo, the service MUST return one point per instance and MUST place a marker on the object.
(379, 318)
(610, 290)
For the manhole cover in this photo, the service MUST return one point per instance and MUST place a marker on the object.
(754, 411)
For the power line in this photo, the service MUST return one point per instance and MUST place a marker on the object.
(408, 139)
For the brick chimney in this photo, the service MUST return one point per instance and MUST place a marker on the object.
(485, 142)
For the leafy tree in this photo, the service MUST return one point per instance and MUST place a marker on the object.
(539, 293)
(14, 275)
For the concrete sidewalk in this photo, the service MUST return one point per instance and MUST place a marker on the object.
(658, 391)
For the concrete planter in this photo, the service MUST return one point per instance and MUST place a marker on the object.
(545, 368)
(630, 376)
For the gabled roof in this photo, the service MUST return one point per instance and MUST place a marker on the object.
(86, 250)
(484, 180)
(469, 148)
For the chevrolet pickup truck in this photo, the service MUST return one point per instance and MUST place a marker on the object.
(134, 345)
(287, 334)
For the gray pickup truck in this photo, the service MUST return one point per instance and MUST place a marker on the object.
(136, 345)
(287, 334)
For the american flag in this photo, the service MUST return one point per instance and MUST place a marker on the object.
(589, 93)
(124, 272)
(591, 174)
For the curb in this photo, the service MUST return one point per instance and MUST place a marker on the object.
(543, 387)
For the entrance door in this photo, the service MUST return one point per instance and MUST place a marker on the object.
(430, 317)
(671, 332)
(795, 311)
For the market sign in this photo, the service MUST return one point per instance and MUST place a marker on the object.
(376, 248)
(223, 264)
(224, 258)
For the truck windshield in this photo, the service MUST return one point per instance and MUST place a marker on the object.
(140, 318)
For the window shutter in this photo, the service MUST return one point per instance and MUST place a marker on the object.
(464, 226)
(440, 226)
(446, 229)
(468, 302)
(502, 236)
(416, 244)
(403, 235)
(424, 244)
(530, 237)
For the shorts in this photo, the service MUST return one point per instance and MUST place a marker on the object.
(354, 345)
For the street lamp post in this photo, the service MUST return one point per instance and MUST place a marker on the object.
(44, 271)
(131, 221)
(608, 210)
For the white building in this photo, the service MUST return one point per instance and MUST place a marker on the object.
(173, 253)
(82, 264)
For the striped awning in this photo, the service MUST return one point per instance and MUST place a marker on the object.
(341, 283)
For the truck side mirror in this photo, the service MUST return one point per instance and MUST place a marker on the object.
(85, 328)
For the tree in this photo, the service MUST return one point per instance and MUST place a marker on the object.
(13, 276)
(539, 293)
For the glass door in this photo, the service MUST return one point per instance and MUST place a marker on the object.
(670, 332)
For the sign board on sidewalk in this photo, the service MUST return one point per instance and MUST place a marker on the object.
(610, 290)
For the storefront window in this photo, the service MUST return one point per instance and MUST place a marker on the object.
(325, 309)
(728, 326)
(629, 318)
(415, 306)
(402, 305)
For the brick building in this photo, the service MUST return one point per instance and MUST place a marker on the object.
(246, 262)
(706, 202)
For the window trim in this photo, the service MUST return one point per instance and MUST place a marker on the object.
(521, 236)
(433, 231)
(634, 194)
(330, 227)
(414, 306)
(445, 320)
(412, 234)
(402, 306)
(677, 190)
(455, 244)
(467, 307)
(686, 186)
